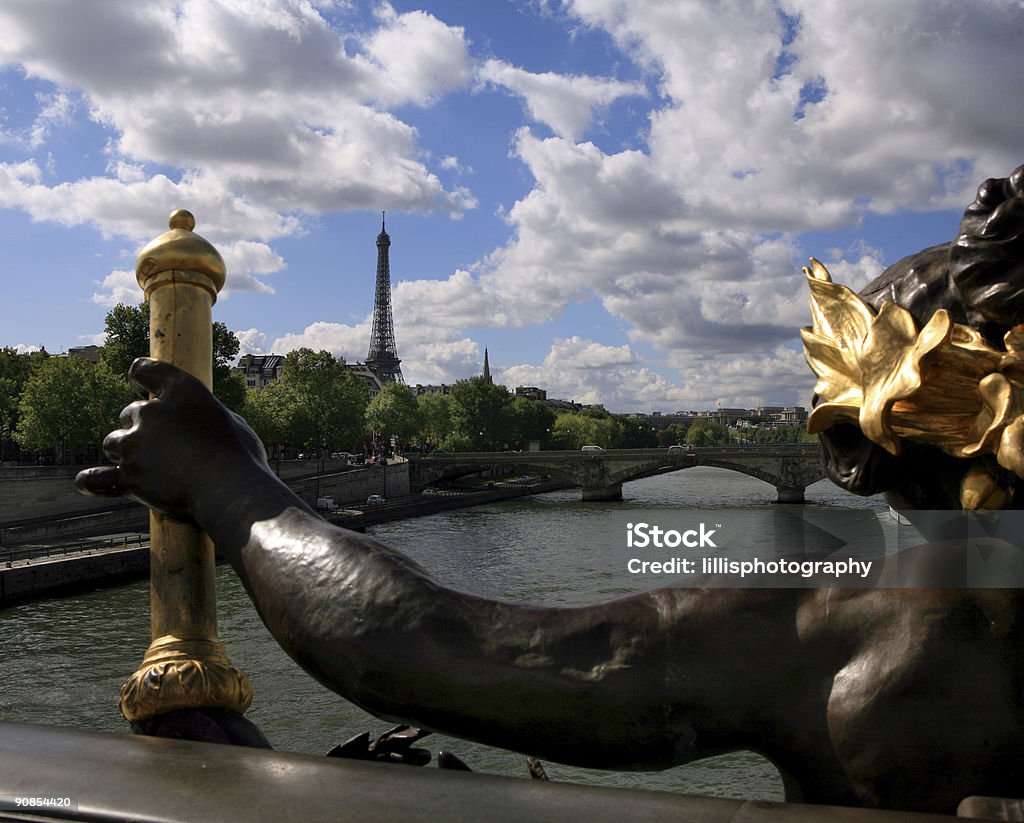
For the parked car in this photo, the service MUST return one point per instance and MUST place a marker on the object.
(375, 499)
(592, 449)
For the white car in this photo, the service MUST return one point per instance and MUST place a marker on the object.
(375, 499)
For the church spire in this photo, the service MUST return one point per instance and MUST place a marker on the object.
(487, 367)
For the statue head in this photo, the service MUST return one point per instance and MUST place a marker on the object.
(926, 365)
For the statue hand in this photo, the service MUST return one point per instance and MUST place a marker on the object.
(986, 261)
(175, 448)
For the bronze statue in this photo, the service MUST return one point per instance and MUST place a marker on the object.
(907, 698)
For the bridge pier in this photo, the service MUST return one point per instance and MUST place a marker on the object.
(609, 492)
(790, 494)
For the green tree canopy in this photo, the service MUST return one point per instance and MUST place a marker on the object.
(531, 421)
(574, 431)
(706, 433)
(68, 402)
(327, 407)
(228, 385)
(435, 418)
(268, 411)
(637, 434)
(675, 433)
(15, 369)
(394, 413)
(482, 412)
(127, 337)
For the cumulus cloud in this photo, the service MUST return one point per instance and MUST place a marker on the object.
(774, 120)
(341, 340)
(258, 103)
(252, 341)
(118, 287)
(589, 372)
(565, 103)
(417, 57)
(429, 354)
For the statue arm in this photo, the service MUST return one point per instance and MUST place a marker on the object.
(613, 684)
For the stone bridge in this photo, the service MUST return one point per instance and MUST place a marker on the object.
(600, 474)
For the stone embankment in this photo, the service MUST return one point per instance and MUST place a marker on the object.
(61, 565)
(41, 505)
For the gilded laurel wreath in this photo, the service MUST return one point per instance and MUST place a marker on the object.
(942, 385)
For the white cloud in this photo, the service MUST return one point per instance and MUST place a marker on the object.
(119, 287)
(766, 127)
(588, 372)
(565, 103)
(429, 354)
(244, 260)
(693, 240)
(252, 341)
(341, 340)
(258, 102)
(417, 58)
(458, 301)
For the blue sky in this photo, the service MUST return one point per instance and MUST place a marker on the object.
(614, 197)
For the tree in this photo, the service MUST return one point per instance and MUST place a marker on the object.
(268, 411)
(228, 385)
(637, 434)
(326, 402)
(706, 433)
(456, 442)
(482, 412)
(435, 418)
(127, 337)
(673, 434)
(394, 413)
(531, 421)
(573, 431)
(15, 369)
(68, 402)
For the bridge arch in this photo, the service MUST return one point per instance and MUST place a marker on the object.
(600, 475)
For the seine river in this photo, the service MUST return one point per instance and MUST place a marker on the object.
(64, 660)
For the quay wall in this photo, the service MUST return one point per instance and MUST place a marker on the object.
(55, 483)
(356, 485)
(63, 574)
(28, 492)
(69, 574)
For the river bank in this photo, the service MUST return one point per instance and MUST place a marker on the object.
(62, 566)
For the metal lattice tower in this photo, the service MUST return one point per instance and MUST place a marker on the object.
(382, 359)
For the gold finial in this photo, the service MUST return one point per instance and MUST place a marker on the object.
(181, 219)
(181, 251)
(186, 665)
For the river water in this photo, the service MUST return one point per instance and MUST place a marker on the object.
(64, 660)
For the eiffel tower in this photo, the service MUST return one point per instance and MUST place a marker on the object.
(382, 359)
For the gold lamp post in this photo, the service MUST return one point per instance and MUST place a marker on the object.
(185, 665)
